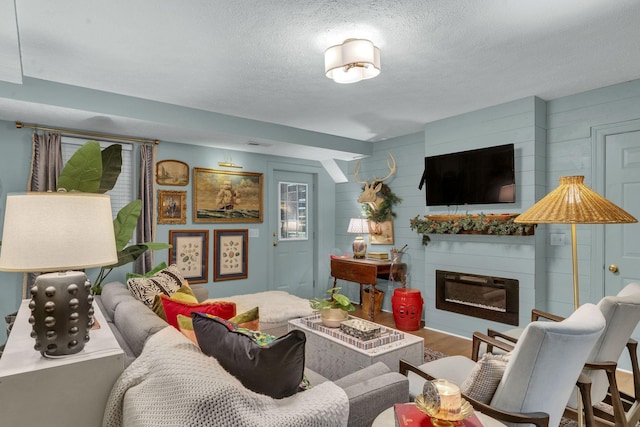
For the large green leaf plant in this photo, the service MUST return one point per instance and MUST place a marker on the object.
(92, 170)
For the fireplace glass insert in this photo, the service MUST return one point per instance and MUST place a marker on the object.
(485, 297)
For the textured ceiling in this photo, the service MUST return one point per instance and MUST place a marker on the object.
(263, 60)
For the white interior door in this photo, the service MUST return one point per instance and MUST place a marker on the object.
(622, 187)
(293, 233)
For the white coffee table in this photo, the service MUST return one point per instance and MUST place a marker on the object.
(334, 354)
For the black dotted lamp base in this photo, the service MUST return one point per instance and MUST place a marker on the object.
(61, 313)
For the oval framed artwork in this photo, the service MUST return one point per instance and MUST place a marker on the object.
(172, 172)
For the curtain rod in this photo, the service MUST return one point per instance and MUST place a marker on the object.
(21, 125)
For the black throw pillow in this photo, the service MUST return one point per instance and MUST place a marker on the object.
(275, 369)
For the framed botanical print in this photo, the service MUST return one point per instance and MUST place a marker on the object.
(230, 254)
(172, 172)
(172, 207)
(226, 196)
(189, 252)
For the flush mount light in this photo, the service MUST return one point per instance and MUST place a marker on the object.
(352, 61)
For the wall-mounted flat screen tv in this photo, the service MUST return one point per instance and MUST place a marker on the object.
(481, 176)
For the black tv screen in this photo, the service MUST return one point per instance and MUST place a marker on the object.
(481, 176)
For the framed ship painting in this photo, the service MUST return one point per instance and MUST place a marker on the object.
(226, 196)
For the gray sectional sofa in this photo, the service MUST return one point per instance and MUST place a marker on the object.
(369, 391)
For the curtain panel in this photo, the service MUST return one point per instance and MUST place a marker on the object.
(146, 230)
(46, 166)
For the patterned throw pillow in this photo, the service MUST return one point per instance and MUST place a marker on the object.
(483, 380)
(263, 363)
(184, 294)
(185, 325)
(248, 320)
(166, 281)
(172, 308)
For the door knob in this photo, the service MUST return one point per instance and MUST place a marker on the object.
(613, 268)
(275, 243)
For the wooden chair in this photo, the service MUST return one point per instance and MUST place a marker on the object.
(540, 375)
(622, 314)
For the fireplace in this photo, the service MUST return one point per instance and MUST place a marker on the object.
(485, 297)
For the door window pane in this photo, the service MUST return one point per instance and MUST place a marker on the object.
(292, 199)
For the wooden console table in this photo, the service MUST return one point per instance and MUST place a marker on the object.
(364, 272)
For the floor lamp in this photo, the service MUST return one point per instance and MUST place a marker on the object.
(573, 203)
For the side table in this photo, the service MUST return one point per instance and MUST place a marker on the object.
(387, 418)
(364, 272)
(68, 391)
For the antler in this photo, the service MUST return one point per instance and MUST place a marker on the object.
(391, 164)
(392, 169)
(356, 171)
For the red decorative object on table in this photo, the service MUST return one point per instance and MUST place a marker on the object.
(408, 415)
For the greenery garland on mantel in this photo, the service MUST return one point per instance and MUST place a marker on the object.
(497, 224)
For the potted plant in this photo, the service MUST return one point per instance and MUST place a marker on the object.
(334, 310)
(93, 170)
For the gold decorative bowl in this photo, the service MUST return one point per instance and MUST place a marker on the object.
(431, 407)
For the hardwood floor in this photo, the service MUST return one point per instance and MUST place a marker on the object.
(454, 345)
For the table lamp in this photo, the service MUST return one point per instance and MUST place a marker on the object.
(53, 233)
(573, 203)
(358, 226)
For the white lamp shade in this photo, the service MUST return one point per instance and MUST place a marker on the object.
(352, 61)
(358, 226)
(46, 232)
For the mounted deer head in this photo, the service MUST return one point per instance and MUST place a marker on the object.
(370, 192)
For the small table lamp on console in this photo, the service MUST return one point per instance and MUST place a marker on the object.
(359, 226)
(55, 233)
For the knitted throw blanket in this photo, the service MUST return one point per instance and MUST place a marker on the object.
(173, 383)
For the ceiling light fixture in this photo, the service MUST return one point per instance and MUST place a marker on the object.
(352, 61)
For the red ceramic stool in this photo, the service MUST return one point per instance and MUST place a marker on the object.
(407, 308)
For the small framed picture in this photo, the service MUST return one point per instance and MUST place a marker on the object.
(189, 252)
(230, 254)
(172, 207)
(381, 233)
(172, 172)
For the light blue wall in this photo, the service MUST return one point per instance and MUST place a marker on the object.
(259, 247)
(15, 147)
(571, 121)
(552, 139)
(409, 154)
(516, 122)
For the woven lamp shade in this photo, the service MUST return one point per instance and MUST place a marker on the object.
(574, 203)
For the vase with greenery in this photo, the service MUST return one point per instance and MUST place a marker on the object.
(92, 170)
(333, 310)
